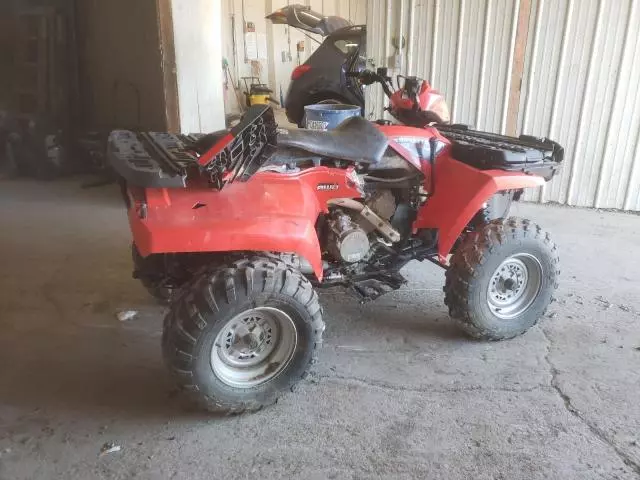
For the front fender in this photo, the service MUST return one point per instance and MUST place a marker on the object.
(460, 192)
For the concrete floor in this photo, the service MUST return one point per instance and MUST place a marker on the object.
(399, 393)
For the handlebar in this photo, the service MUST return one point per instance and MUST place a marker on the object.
(367, 77)
(406, 107)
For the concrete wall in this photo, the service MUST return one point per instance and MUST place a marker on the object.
(120, 62)
(197, 28)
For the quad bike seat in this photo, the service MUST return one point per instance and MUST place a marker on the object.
(355, 140)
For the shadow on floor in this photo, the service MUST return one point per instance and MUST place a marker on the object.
(421, 318)
(98, 368)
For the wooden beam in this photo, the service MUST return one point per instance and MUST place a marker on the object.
(168, 53)
(517, 71)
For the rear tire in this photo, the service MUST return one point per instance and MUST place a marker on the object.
(501, 279)
(237, 337)
(142, 266)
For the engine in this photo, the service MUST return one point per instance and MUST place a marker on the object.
(349, 230)
(346, 241)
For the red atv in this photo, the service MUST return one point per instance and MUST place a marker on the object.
(238, 229)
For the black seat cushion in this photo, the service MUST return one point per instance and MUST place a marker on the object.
(355, 139)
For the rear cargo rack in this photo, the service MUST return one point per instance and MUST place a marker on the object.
(165, 160)
(152, 159)
(484, 150)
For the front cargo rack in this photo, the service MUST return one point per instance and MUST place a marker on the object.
(486, 151)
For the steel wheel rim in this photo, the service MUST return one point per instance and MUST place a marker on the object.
(254, 347)
(514, 286)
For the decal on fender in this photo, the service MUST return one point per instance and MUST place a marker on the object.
(325, 187)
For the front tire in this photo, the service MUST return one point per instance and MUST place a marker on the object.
(236, 338)
(501, 279)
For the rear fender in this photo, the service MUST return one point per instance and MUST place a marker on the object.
(460, 192)
(283, 235)
(271, 212)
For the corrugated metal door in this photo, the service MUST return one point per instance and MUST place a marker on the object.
(558, 68)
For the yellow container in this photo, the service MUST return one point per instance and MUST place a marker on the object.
(258, 99)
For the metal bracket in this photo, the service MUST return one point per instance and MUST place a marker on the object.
(370, 216)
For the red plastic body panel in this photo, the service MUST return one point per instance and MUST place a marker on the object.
(278, 212)
(271, 212)
(460, 192)
(395, 133)
(426, 98)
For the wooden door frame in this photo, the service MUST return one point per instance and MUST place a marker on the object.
(169, 72)
(517, 70)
